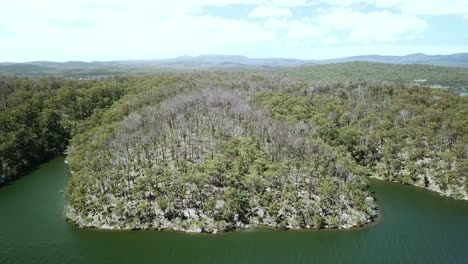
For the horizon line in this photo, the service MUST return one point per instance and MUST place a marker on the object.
(232, 55)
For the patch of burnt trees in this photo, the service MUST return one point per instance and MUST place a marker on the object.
(211, 146)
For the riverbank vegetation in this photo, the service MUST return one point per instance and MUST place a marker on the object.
(39, 116)
(216, 151)
(416, 136)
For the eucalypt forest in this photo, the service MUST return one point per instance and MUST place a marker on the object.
(218, 152)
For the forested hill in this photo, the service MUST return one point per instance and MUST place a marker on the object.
(39, 116)
(460, 59)
(216, 151)
(422, 75)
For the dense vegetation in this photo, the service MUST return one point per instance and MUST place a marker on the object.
(209, 161)
(416, 136)
(456, 78)
(39, 116)
(213, 151)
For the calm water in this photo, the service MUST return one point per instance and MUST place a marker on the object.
(416, 227)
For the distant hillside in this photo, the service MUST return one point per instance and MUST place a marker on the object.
(460, 59)
(237, 60)
(205, 62)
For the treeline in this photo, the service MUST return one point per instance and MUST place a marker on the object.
(39, 116)
(453, 77)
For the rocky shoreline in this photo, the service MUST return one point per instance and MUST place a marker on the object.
(192, 223)
(431, 187)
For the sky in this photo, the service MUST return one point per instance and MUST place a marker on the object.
(102, 30)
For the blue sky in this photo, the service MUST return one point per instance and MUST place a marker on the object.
(307, 29)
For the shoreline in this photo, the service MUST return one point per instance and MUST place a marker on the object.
(373, 222)
(433, 189)
(73, 219)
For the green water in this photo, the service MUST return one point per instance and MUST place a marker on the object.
(417, 227)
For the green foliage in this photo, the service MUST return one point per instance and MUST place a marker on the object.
(369, 71)
(210, 152)
(236, 149)
(39, 116)
(412, 135)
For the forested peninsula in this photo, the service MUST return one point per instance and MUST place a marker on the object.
(218, 151)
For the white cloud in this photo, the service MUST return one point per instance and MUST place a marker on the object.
(145, 29)
(289, 3)
(412, 7)
(111, 30)
(276, 24)
(345, 3)
(379, 26)
(330, 40)
(297, 30)
(426, 7)
(304, 30)
(270, 11)
(356, 27)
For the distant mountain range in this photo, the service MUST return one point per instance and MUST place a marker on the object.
(214, 61)
(459, 59)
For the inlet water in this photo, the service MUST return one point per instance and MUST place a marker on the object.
(416, 226)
